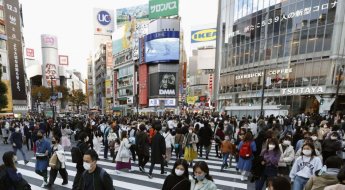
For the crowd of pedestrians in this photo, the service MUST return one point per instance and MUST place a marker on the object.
(301, 152)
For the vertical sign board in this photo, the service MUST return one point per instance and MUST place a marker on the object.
(15, 49)
(63, 60)
(163, 8)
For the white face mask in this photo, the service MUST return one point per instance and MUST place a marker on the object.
(271, 147)
(17, 129)
(314, 138)
(307, 152)
(287, 143)
(87, 166)
(179, 172)
(87, 139)
(334, 138)
(190, 131)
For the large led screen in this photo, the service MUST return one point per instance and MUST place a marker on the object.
(162, 47)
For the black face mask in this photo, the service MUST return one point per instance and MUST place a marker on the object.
(39, 136)
(53, 142)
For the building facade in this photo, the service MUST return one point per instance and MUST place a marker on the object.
(293, 49)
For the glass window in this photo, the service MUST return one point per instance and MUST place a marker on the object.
(331, 12)
(275, 47)
(257, 51)
(295, 43)
(328, 38)
(281, 46)
(287, 47)
(319, 38)
(4, 69)
(311, 40)
(303, 41)
(269, 45)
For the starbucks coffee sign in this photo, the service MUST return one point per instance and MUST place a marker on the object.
(302, 90)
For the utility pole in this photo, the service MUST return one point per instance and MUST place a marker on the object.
(262, 114)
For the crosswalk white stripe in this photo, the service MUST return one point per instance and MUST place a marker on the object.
(156, 171)
(58, 180)
(220, 174)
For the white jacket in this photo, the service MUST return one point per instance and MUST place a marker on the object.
(305, 167)
(60, 153)
(286, 156)
(112, 135)
(124, 146)
(169, 140)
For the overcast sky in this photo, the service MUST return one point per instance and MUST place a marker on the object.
(71, 21)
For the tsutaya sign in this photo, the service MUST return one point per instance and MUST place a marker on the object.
(261, 74)
(302, 90)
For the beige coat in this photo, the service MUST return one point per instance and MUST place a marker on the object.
(287, 156)
(335, 187)
(320, 182)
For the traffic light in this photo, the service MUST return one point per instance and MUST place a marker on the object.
(321, 101)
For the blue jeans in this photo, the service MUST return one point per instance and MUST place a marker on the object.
(225, 158)
(105, 149)
(21, 150)
(299, 183)
(270, 171)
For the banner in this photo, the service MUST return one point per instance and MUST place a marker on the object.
(15, 49)
(163, 8)
(125, 15)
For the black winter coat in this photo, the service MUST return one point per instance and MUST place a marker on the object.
(158, 148)
(173, 182)
(205, 134)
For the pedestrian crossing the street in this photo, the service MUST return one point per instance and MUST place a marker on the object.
(229, 179)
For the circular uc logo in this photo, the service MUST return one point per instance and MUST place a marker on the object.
(104, 18)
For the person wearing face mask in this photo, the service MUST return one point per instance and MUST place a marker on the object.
(16, 139)
(82, 146)
(59, 151)
(331, 146)
(227, 149)
(316, 142)
(94, 177)
(158, 149)
(202, 180)
(286, 157)
(304, 166)
(42, 157)
(190, 141)
(299, 144)
(323, 131)
(271, 157)
(10, 178)
(178, 179)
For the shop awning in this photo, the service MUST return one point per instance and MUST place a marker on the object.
(122, 99)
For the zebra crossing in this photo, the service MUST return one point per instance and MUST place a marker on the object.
(229, 179)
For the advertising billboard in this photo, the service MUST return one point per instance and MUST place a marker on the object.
(167, 84)
(103, 22)
(125, 15)
(63, 60)
(163, 8)
(162, 47)
(15, 49)
(159, 102)
(143, 88)
(204, 35)
(132, 24)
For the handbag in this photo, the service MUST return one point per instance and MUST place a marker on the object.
(54, 162)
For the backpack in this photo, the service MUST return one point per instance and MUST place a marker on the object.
(245, 151)
(101, 175)
(6, 182)
(76, 154)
